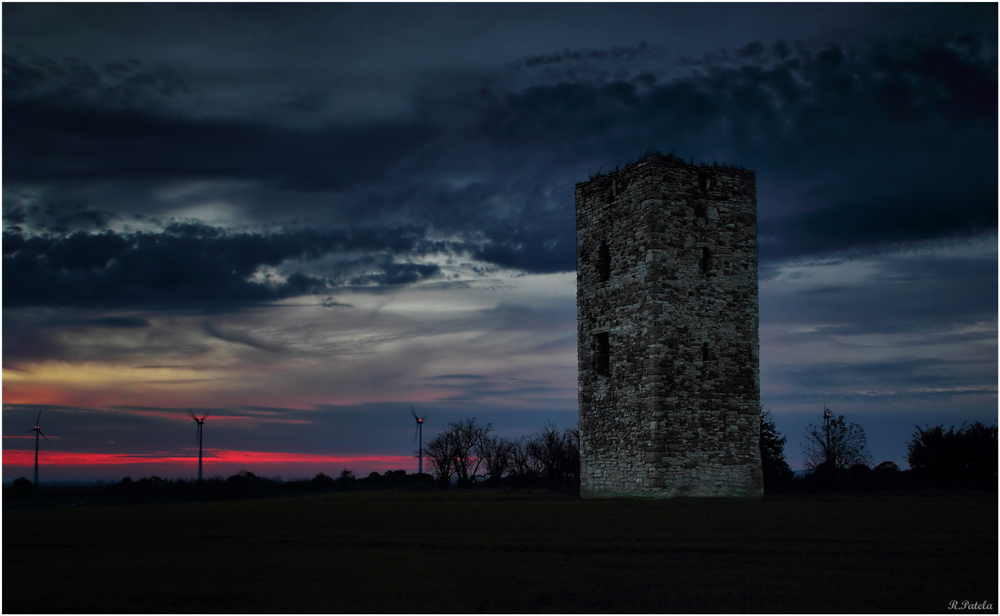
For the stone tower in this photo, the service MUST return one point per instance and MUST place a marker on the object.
(669, 378)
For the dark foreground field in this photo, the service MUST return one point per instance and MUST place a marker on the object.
(435, 551)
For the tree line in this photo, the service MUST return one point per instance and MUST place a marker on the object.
(241, 484)
(464, 454)
(468, 453)
(837, 457)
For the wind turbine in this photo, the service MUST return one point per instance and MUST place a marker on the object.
(200, 422)
(37, 430)
(826, 428)
(420, 432)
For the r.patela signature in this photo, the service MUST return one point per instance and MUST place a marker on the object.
(969, 605)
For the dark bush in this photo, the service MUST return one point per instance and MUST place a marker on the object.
(778, 477)
(245, 480)
(887, 476)
(859, 477)
(323, 481)
(21, 489)
(346, 480)
(966, 458)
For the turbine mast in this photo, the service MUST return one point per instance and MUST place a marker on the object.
(200, 430)
(38, 430)
(36, 455)
(826, 430)
(420, 433)
(201, 423)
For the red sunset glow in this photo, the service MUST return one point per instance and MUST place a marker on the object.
(217, 462)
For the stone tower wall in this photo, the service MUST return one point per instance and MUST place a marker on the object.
(667, 331)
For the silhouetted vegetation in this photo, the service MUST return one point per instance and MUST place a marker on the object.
(966, 458)
(323, 481)
(655, 152)
(558, 457)
(466, 452)
(246, 483)
(778, 476)
(496, 453)
(346, 480)
(835, 447)
(22, 489)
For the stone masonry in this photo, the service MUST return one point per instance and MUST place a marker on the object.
(669, 379)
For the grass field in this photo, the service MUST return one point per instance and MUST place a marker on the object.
(432, 551)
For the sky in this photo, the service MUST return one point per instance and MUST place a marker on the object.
(305, 219)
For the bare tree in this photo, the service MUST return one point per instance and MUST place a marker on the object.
(455, 451)
(465, 437)
(466, 451)
(523, 466)
(557, 455)
(495, 453)
(438, 451)
(836, 445)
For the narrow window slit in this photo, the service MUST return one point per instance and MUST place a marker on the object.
(604, 262)
(602, 354)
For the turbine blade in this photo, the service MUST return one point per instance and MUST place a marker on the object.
(413, 412)
(424, 418)
(39, 417)
(26, 431)
(207, 413)
(193, 416)
(44, 437)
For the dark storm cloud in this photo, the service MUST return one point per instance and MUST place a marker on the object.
(615, 54)
(194, 265)
(393, 274)
(889, 212)
(532, 246)
(59, 217)
(843, 139)
(862, 127)
(785, 102)
(61, 125)
(66, 83)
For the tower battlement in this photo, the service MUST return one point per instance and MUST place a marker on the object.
(668, 351)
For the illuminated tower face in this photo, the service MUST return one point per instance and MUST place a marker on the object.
(669, 380)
